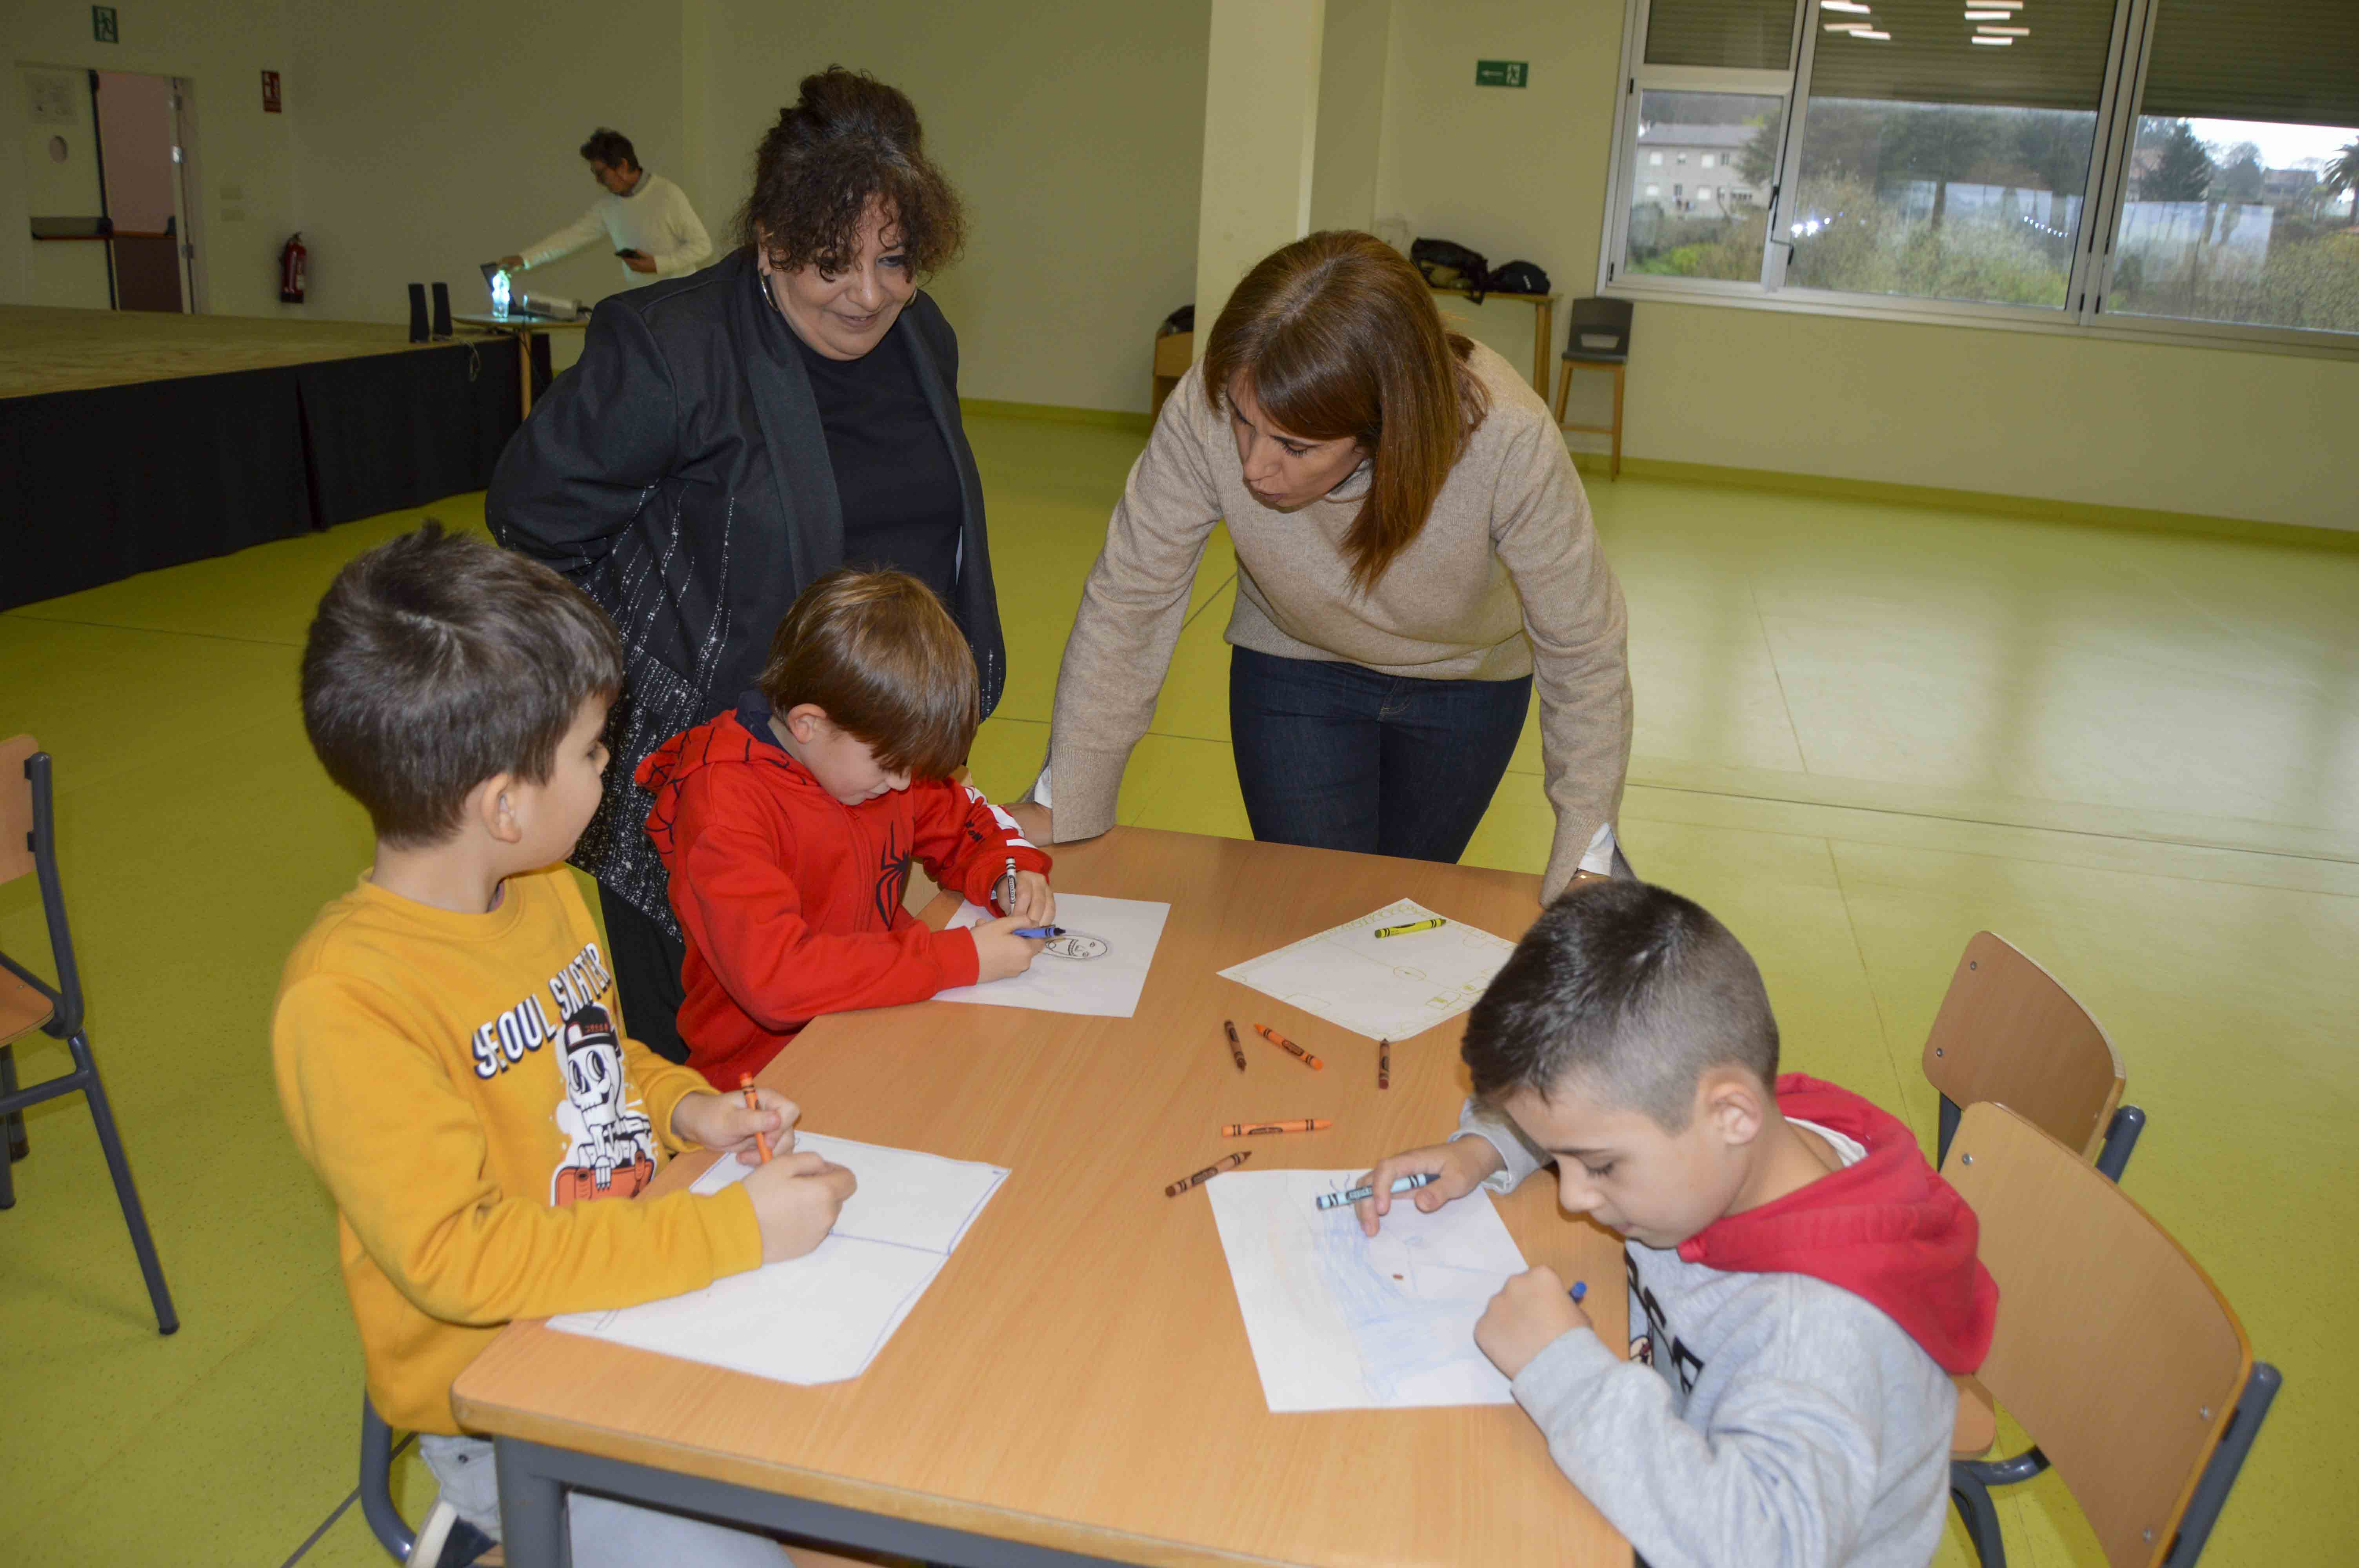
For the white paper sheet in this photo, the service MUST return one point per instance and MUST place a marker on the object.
(823, 1316)
(1106, 986)
(1384, 987)
(1341, 1321)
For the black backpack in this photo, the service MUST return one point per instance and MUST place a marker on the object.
(1448, 265)
(1521, 277)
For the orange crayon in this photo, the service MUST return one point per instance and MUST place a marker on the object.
(761, 1140)
(1207, 1173)
(1254, 1129)
(1283, 1043)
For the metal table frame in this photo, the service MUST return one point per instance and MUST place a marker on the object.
(534, 1479)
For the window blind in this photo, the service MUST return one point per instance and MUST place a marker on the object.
(1930, 57)
(1741, 34)
(2287, 61)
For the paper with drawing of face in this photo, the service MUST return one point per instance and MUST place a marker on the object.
(1073, 945)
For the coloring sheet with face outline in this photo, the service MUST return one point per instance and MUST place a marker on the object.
(1386, 988)
(1099, 966)
(1343, 1321)
(824, 1316)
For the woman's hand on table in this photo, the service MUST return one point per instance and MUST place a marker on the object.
(1035, 820)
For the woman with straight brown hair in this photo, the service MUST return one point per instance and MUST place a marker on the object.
(1414, 552)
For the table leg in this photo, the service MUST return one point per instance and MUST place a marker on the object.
(1543, 333)
(532, 1510)
(523, 369)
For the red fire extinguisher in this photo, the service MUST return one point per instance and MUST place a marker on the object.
(290, 271)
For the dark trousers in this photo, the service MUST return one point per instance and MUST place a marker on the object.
(1335, 756)
(647, 972)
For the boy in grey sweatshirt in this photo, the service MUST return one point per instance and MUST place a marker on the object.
(1801, 1283)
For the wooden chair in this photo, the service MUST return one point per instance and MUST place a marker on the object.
(2113, 1349)
(28, 843)
(2007, 1031)
(1174, 353)
(1599, 337)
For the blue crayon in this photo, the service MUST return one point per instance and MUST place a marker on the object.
(1580, 1289)
(1404, 1185)
(1038, 933)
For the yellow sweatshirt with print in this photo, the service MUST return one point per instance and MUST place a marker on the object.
(463, 1084)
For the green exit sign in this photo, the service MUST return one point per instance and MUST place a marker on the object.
(101, 25)
(1502, 73)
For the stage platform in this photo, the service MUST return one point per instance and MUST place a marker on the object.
(131, 440)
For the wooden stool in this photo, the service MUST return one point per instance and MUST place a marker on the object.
(1600, 339)
(1174, 353)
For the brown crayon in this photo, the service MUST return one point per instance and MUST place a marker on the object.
(1283, 1043)
(1253, 1128)
(1235, 1049)
(1384, 1064)
(1207, 1173)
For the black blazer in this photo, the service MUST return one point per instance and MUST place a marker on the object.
(679, 475)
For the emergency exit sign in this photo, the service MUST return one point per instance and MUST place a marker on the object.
(1501, 72)
(101, 25)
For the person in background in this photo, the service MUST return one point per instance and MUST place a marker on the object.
(643, 217)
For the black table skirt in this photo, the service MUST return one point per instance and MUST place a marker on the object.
(99, 484)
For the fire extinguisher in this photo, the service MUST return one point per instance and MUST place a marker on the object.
(290, 271)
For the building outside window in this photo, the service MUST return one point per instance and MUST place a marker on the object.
(2123, 164)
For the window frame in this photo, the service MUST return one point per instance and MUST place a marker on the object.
(2087, 284)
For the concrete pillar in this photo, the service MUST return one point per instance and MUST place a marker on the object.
(1261, 130)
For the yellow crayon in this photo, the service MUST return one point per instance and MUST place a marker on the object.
(1412, 926)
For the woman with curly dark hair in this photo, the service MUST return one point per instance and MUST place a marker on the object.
(729, 436)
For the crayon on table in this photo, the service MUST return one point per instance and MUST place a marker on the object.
(1580, 1289)
(1412, 926)
(1400, 1184)
(761, 1140)
(1207, 1173)
(1254, 1129)
(1384, 1064)
(1283, 1043)
(1235, 1049)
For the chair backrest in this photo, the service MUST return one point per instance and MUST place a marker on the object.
(2007, 1031)
(2113, 1349)
(1601, 330)
(15, 808)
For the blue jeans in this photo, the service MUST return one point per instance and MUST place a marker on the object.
(1336, 756)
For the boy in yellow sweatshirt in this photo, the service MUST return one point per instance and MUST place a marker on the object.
(450, 1051)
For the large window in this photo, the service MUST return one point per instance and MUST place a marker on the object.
(2180, 165)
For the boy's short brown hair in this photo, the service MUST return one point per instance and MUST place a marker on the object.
(877, 653)
(438, 660)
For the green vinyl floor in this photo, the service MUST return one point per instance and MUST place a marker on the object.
(1864, 733)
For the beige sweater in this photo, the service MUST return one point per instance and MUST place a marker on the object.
(1506, 578)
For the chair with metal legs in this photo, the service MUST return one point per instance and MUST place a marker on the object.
(28, 843)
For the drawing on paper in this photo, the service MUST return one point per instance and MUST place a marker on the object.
(1384, 988)
(1073, 945)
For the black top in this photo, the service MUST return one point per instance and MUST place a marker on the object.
(894, 477)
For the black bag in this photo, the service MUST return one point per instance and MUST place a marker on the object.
(1181, 320)
(1448, 265)
(1521, 277)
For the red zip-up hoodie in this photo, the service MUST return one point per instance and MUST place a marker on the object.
(1885, 1228)
(790, 900)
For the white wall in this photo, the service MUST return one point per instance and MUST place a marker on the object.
(1522, 174)
(1074, 129)
(223, 47)
(422, 159)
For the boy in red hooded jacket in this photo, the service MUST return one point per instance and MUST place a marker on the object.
(789, 825)
(1802, 1283)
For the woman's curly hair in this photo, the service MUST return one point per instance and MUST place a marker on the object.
(847, 141)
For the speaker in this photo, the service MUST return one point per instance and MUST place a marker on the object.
(441, 310)
(416, 312)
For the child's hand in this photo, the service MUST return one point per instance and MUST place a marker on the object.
(722, 1121)
(999, 952)
(1459, 1166)
(1530, 1312)
(796, 1199)
(1034, 904)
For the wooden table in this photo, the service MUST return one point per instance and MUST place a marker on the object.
(1076, 1386)
(522, 327)
(1543, 324)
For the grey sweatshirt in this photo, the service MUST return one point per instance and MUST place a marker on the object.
(1506, 579)
(1784, 1420)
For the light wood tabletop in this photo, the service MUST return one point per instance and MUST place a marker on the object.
(1078, 1377)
